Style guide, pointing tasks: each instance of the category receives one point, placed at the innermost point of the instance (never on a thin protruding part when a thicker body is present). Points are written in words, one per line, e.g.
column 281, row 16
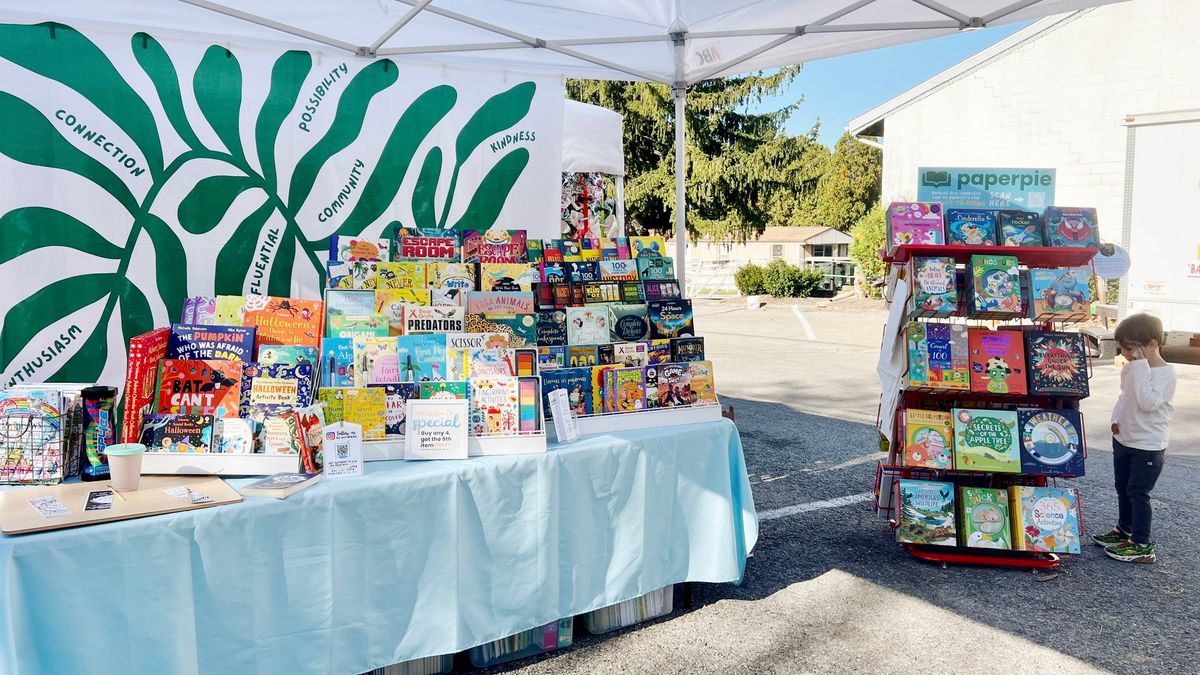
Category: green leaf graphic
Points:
column 281, row 269
column 493, row 191
column 425, row 191
column 204, row 207
column 32, row 227
column 170, row 263
column 218, row 87
column 154, row 60
column 59, row 299
column 236, row 259
column 287, row 76
column 87, row 363
column 136, row 316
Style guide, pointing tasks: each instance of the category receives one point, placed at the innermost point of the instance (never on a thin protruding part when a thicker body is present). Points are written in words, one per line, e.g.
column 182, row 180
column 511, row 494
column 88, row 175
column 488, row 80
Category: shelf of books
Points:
column 243, row 385
column 984, row 420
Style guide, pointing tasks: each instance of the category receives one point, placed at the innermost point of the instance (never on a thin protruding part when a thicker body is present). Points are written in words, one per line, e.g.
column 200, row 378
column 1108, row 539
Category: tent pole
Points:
column 680, row 92
column 620, row 227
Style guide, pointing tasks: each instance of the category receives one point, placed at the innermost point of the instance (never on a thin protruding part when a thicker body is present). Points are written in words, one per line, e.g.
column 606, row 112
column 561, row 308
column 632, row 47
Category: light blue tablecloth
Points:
column 413, row 559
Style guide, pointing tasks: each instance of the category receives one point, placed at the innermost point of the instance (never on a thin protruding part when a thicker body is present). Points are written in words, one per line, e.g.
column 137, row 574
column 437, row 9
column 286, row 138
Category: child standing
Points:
column 1139, row 429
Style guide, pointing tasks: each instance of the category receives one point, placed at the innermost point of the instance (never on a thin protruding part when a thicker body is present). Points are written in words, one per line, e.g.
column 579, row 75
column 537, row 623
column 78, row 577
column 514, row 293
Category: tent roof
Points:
column 603, row 39
column 592, row 139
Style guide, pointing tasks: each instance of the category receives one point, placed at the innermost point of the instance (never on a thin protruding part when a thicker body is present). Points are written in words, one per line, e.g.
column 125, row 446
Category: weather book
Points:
column 984, row 519
column 995, row 287
column 937, row 356
column 198, row 386
column 926, row 512
column 1052, row 442
column 1071, row 226
column 1060, row 294
column 986, row 440
column 971, row 227
column 1057, row 363
column 928, row 439
column 997, row 361
column 1044, row 519
column 915, row 223
column 670, row 318
column 222, row 343
column 935, row 287
column 1019, row 228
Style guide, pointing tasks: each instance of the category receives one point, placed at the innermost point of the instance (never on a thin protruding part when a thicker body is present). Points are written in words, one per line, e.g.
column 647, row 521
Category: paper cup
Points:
column 125, row 465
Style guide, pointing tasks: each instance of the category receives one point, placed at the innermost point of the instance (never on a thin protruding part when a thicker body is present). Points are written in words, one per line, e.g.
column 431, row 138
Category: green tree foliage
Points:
column 869, row 237
column 850, row 185
column 785, row 280
column 749, row 279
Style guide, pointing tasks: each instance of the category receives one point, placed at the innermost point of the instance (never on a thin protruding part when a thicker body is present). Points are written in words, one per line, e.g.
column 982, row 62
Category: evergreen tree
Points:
column 851, row 184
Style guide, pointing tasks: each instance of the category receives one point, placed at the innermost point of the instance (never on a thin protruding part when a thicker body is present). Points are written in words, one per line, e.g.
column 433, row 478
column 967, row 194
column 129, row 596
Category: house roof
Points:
column 775, row 235
column 871, row 123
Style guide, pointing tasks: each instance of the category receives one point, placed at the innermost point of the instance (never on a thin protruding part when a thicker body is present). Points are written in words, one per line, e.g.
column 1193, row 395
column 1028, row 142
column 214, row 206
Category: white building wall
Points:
column 1057, row 101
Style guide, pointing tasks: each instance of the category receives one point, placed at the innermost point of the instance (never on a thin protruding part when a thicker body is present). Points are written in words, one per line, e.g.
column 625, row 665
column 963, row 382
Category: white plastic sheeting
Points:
column 592, row 140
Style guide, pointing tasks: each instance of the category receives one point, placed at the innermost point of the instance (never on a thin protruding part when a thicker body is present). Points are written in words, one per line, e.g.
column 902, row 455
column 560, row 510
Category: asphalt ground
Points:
column 828, row 590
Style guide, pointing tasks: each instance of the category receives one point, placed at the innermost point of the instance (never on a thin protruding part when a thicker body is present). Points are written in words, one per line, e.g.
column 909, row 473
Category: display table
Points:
column 413, row 559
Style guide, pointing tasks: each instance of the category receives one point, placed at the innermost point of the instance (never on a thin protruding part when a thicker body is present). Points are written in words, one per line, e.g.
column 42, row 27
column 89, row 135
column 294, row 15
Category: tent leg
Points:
column 680, row 197
column 619, row 228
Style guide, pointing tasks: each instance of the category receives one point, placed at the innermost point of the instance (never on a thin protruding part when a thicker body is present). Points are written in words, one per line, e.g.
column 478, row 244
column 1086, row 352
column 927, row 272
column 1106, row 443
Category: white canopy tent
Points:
column 593, row 143
column 674, row 42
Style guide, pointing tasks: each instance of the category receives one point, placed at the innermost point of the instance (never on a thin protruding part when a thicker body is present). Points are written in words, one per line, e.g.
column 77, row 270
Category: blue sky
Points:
column 839, row 89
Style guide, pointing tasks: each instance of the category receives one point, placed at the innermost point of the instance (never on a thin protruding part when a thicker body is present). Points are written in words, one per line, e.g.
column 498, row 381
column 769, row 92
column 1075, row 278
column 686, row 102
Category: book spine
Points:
column 1015, row 518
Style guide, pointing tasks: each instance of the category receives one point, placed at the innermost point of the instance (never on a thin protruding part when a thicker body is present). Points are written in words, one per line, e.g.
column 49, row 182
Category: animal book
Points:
column 1070, row 226
column 618, row 270
column 703, row 389
column 915, row 223
column 995, row 287
column 285, row 321
column 971, row 227
column 406, row 274
column 178, row 433
column 587, row 325
column 1052, row 442
column 1044, row 519
column 395, row 399
column 628, row 323
column 486, row 362
column 670, row 318
column 937, row 356
column 984, row 518
column 1057, row 363
column 443, row 390
column 506, row 277
column 221, row 343
column 661, row 290
column 494, row 405
column 926, row 512
column 500, row 303
column 368, row 407
column 347, row 275
column 494, row 246
column 451, row 275
column 433, row 320
column 626, row 390
column 997, row 361
column 268, row 389
column 648, row 246
column 521, row 329
column 551, row 327
column 656, row 268
column 1060, row 294
column 1019, row 228
column 928, row 439
column 425, row 244
column 141, row 380
column 935, row 287
column 350, row 249
column 421, row 357
column 986, row 440
column 200, row 387
column 685, row 349
column 578, row 384
column 287, row 354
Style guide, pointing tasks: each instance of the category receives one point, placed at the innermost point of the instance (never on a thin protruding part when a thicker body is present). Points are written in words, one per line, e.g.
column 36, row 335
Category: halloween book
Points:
column 199, row 387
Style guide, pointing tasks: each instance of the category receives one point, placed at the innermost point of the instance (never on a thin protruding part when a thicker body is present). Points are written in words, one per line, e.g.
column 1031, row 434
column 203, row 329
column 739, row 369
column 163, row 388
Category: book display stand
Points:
column 953, row 383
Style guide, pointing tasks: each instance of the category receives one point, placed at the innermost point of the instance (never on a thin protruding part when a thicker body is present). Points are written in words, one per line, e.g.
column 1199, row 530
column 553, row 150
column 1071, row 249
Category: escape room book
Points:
column 421, row 357
column 220, row 343
column 1019, row 228
column 1060, row 294
column 655, row 268
column 395, row 399
column 626, row 389
column 685, row 349
column 578, row 384
column 587, row 325
column 1052, row 442
column 506, row 277
column 703, row 388
column 493, row 405
column 425, row 244
column 551, row 327
column 494, row 246
column 995, row 287
column 997, row 361
column 351, row 275
column 268, row 389
column 350, row 249
column 651, row 246
column 984, row 518
column 178, row 433
column 1057, row 363
column 1071, row 226
column 935, row 287
column 405, row 274
column 926, row 512
column 670, row 318
column 618, row 270
column 971, row 227
column 451, row 275
column 628, row 323
column 285, row 321
column 937, row 356
column 928, row 439
column 199, row 387
column 915, row 223
column 1044, row 519
column 986, row 440
column 368, row 407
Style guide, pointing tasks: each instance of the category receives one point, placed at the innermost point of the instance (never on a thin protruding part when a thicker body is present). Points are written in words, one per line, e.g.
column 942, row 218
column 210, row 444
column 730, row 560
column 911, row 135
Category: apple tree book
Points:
column 984, row 521
column 926, row 512
column 986, row 440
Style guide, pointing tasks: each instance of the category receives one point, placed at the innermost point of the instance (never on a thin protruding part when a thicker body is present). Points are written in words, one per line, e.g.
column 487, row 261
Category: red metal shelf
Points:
column 1030, row 256
column 996, row 558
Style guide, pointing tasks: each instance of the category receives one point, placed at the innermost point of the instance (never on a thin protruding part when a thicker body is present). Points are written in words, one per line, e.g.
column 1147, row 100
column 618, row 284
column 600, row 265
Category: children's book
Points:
column 605, row 354
column 656, row 268
column 421, row 357
column 632, row 292
column 650, row 246
column 199, row 387
column 915, row 223
column 228, row 311
column 674, row 385
column 200, row 310
column 630, row 354
column 670, row 318
column 350, row 326
column 609, row 250
column 375, row 360
column 582, row 356
column 421, row 297
column 1020, row 228
column 495, row 246
column 997, row 361
column 551, row 327
column 451, row 275
column 996, row 287
column 178, row 433
column 601, row 292
column 937, row 356
column 433, row 320
column 703, row 389
column 552, row 272
column 494, row 405
column 459, row 347
column 928, row 439
column 368, row 407
column 141, row 380
column 1057, row 363
column 587, row 325
column 500, row 303
column 351, row 275
column 280, row 435
column 579, row 272
column 269, row 389
column 589, row 249
column 935, row 287
column 926, row 512
column 406, row 274
column 986, row 440
column 509, row 277
column 534, row 248
column 285, row 321
column 650, row 377
column 351, row 249
column 349, row 301
column 658, row 351
column 626, row 389
column 984, row 518
column 491, row 363
column 447, row 297
column 392, row 305
column 661, row 289
column 396, row 396
column 686, row 349
column 1071, row 226
column 310, row 421
column 287, row 354
column 561, row 295
column 552, row 250
column 618, row 270
column 1052, row 442
column 1044, row 519
column 280, row 485
column 628, row 323
column 1060, row 294
column 571, row 250
column 549, row 358
column 577, row 382
column 233, row 436
column 221, row 343
column 443, row 390
column 521, row 329
column 971, row 227
column 601, row 395
column 410, row 243
column 333, row 397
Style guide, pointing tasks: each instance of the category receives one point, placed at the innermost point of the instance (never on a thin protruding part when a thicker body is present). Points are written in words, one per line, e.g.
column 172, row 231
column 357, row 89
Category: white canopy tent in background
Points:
column 593, row 143
column 674, row 42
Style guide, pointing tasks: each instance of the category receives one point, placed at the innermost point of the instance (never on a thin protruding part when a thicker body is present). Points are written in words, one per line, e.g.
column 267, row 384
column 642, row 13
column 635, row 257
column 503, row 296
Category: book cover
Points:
column 141, row 380
column 447, row 297
column 199, row 387
column 686, row 349
column 433, row 320
column 443, row 390
column 268, row 389
column 285, row 321
column 1060, row 294
column 233, row 436
column 579, row 272
column 971, row 227
column 650, row 378
column 375, row 360
column 333, row 397
column 451, row 275
column 228, row 310
column 1057, row 363
column 587, row 325
column 648, row 246
column 595, row 292
column 509, row 277
column 549, row 358
column 219, row 343
column 421, row 357
column 1019, row 228
column 609, row 250
column 674, row 385
column 351, row 249
column 702, row 386
column 280, row 485
column 495, row 246
column 582, row 356
column 928, row 439
column 937, row 356
column 655, row 268
column 670, row 318
column 280, row 435
column 1052, row 442
column 368, row 407
column 589, row 249
column 551, row 327
column 534, row 248
column 1071, row 226
column 500, row 303
column 632, row 292
column 459, row 347
column 986, row 440
column 552, row 272
column 915, row 223
column 349, row 301
column 199, row 309
column 410, row 243
column 571, row 250
column 995, row 287
column 485, row 362
column 494, row 405
column 605, row 354
column 624, row 251
column 630, row 354
column 350, row 326
column 288, row 354
column 520, row 329
column 935, row 287
column 395, row 400
column 406, row 274
column 618, row 270
column 984, row 518
column 926, row 512
column 578, row 384
column 178, row 433
column 562, row 295
column 627, row 389
column 997, row 361
column 421, row 297
column 658, row 351
column 351, row 275
column 552, row 250
column 1044, row 519
column 310, row 423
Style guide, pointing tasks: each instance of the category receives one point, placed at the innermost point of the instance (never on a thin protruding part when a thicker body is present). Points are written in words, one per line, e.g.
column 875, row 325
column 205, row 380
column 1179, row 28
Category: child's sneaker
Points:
column 1110, row 538
column 1131, row 552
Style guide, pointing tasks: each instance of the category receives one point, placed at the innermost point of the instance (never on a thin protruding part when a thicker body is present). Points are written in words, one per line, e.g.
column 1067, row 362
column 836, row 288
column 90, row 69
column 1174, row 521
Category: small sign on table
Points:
column 436, row 429
column 343, row 450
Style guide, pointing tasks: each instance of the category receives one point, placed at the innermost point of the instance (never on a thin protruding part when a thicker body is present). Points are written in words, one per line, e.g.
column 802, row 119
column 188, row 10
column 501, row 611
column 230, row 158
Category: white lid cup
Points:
column 125, row 465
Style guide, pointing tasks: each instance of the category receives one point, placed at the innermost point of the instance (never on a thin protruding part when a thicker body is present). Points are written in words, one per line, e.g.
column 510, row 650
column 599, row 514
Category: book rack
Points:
column 1030, row 256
